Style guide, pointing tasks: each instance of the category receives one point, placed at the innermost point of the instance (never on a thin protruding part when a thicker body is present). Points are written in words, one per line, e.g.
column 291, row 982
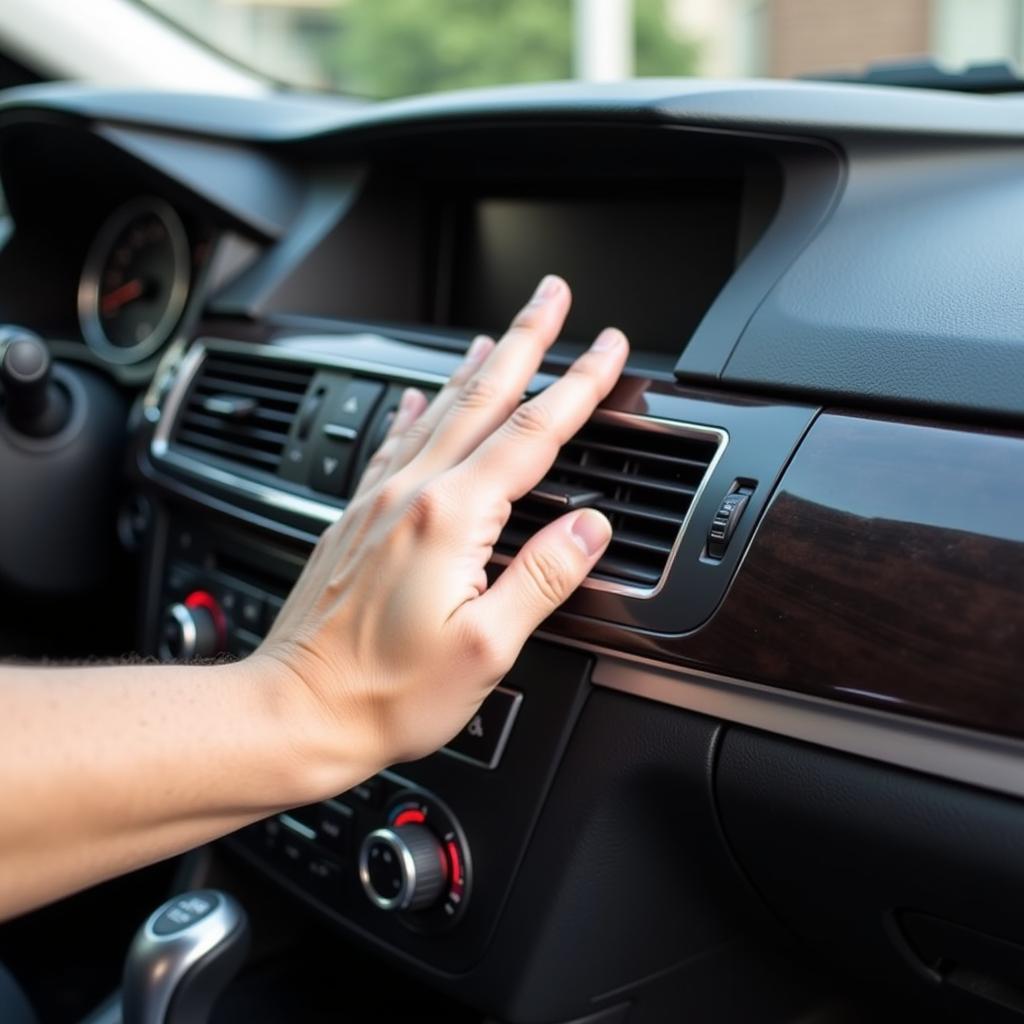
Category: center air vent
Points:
column 644, row 481
column 242, row 409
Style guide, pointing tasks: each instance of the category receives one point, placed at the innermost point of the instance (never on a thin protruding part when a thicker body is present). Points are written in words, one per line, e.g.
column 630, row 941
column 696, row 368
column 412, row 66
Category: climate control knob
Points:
column 403, row 867
column 191, row 629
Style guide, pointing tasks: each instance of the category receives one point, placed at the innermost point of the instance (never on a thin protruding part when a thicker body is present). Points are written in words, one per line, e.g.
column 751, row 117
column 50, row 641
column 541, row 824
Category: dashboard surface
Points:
column 812, row 464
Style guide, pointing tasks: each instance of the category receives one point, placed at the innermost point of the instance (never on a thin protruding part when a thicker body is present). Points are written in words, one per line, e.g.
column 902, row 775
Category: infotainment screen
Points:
column 650, row 264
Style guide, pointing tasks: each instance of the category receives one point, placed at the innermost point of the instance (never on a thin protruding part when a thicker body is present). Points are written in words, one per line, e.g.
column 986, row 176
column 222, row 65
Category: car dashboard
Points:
column 786, row 698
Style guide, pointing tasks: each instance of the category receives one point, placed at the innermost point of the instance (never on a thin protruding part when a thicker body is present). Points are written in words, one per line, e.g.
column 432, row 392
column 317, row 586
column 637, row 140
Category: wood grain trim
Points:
column 888, row 571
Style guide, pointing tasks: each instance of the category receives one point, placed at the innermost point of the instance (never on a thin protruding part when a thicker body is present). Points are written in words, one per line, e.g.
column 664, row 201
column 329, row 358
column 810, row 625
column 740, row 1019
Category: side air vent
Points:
column 644, row 481
column 242, row 409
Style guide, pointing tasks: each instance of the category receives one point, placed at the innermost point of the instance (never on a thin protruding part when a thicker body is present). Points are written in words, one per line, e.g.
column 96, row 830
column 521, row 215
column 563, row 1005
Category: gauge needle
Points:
column 128, row 292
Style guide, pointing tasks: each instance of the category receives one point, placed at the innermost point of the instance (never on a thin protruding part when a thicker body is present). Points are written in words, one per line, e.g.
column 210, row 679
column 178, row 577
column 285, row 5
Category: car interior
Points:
column 766, row 764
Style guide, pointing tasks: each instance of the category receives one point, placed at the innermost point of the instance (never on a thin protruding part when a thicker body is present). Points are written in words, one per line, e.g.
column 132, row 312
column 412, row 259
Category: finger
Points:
column 487, row 398
column 516, row 457
column 410, row 408
column 413, row 442
column 548, row 568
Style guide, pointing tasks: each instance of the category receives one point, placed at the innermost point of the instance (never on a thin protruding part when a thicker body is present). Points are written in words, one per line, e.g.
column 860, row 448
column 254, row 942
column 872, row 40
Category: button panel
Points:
column 318, row 846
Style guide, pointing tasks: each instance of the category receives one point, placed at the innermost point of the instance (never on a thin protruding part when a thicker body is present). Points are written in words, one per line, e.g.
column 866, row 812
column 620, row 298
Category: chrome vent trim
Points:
column 646, row 482
column 163, row 451
column 241, row 409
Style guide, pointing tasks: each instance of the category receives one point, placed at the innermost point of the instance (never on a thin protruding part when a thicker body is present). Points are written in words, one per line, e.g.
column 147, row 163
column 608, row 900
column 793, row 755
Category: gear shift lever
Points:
column 182, row 958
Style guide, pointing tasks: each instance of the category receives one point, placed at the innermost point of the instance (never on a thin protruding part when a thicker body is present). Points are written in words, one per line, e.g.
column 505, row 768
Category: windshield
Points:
column 388, row 48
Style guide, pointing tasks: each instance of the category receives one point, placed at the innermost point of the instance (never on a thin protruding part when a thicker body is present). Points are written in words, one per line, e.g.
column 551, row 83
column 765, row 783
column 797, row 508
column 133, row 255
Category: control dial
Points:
column 403, row 867
column 193, row 628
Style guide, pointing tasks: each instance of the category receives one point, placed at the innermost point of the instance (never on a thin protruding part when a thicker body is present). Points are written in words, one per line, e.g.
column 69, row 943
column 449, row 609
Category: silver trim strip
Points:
column 282, row 500
column 949, row 752
column 160, row 450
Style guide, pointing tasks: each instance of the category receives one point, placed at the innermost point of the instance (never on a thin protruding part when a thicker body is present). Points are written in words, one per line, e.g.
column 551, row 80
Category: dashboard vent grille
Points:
column 642, row 479
column 242, row 409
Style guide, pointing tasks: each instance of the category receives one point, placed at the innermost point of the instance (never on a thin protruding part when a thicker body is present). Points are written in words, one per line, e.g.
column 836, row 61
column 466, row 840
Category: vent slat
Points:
column 654, row 515
column 276, row 376
column 653, row 457
column 240, row 431
column 256, row 437
column 221, row 385
column 619, row 570
column 229, row 448
column 589, row 473
column 270, row 416
column 645, row 482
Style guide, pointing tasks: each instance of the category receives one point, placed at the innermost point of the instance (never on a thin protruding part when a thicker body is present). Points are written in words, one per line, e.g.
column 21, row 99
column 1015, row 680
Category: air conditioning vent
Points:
column 644, row 481
column 241, row 409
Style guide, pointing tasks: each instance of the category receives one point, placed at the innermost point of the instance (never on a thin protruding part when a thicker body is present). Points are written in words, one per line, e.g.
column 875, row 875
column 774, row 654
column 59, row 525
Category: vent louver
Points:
column 643, row 480
column 241, row 409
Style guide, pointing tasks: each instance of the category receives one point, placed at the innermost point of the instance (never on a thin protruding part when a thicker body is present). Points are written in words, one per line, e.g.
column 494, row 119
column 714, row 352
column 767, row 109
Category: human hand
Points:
column 392, row 630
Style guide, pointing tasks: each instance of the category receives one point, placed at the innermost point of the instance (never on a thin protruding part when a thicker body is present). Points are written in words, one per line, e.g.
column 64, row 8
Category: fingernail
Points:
column 591, row 531
column 609, row 338
column 479, row 349
column 406, row 407
column 548, row 288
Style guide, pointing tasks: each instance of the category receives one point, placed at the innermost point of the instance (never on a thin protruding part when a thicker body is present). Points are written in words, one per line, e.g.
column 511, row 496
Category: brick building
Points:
column 782, row 38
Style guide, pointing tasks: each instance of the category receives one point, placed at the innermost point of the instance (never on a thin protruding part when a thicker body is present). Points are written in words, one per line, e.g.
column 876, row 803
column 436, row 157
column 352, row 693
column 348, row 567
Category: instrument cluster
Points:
column 136, row 279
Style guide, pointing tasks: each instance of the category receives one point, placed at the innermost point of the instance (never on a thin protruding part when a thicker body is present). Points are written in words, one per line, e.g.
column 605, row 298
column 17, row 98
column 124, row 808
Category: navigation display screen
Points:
column 651, row 265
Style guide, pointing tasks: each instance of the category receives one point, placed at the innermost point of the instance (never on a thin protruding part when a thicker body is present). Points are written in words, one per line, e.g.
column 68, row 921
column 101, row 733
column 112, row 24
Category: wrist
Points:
column 318, row 751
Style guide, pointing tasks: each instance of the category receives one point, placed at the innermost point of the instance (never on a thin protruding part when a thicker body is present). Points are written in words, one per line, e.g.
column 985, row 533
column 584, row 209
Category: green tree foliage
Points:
column 398, row 47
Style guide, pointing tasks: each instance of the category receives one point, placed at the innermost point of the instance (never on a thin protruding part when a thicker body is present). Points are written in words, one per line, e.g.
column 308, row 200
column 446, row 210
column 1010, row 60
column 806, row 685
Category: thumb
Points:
column 548, row 568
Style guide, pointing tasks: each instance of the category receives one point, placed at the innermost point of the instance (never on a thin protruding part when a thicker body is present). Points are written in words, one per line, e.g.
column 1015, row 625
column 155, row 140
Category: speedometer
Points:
column 135, row 281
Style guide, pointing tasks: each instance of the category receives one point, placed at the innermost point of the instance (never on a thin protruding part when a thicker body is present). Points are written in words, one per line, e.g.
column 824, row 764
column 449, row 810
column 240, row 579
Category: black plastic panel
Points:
column 850, row 853
column 910, row 293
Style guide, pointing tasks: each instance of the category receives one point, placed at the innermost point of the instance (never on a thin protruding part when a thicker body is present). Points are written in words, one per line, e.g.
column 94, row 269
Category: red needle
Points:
column 128, row 292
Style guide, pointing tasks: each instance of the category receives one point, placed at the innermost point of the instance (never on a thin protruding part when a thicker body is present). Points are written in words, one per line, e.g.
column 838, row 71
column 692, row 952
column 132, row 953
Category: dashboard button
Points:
column 723, row 526
column 250, row 612
column 483, row 739
column 350, row 407
column 370, row 792
column 228, row 599
column 333, row 828
column 329, row 469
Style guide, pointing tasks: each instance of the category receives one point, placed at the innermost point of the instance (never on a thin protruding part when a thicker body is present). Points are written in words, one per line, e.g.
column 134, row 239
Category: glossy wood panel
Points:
column 888, row 570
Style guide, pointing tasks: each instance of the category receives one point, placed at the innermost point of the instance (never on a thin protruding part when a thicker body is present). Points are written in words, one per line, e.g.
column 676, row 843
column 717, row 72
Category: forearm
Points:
column 105, row 769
